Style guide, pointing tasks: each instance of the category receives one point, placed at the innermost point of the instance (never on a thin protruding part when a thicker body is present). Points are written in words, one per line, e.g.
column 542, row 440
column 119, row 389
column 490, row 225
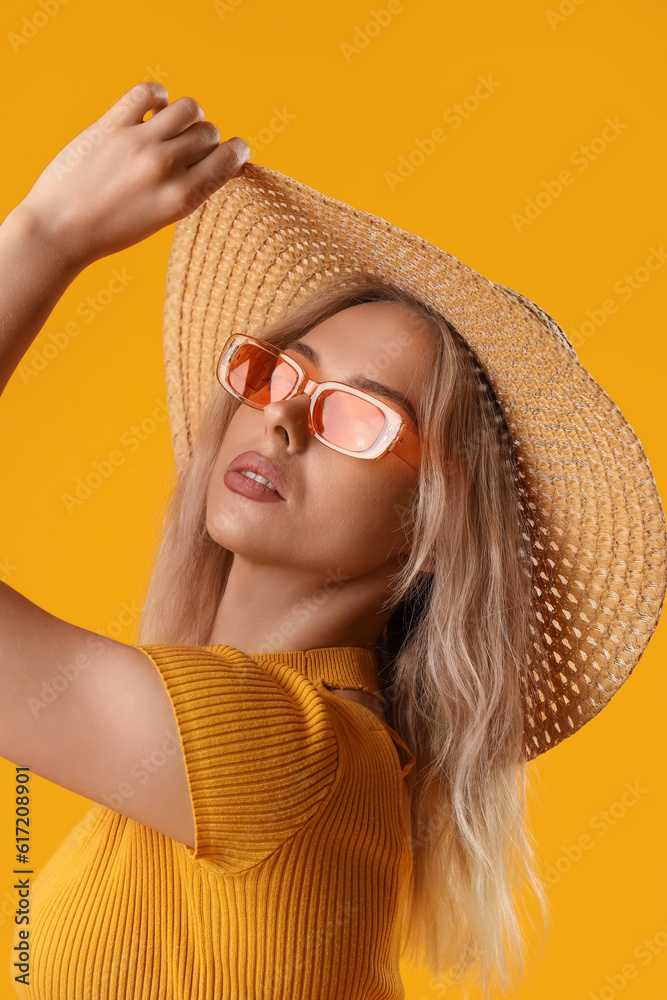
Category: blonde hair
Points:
column 452, row 659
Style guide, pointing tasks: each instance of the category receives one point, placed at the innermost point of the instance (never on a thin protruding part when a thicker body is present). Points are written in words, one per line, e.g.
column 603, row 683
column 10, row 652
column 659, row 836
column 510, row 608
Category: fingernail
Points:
column 245, row 149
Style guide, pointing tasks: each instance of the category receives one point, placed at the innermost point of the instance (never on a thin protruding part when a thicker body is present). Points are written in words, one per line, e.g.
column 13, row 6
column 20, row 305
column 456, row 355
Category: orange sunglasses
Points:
column 343, row 418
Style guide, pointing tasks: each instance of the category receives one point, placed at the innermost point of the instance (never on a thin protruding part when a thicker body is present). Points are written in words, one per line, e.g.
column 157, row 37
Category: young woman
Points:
column 379, row 592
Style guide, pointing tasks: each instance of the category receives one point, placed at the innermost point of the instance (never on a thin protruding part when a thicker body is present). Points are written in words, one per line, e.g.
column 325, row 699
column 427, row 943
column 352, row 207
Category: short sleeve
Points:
column 259, row 747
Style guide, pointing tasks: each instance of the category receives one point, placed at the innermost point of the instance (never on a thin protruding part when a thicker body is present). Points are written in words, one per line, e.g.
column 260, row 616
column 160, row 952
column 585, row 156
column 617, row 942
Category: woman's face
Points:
column 341, row 514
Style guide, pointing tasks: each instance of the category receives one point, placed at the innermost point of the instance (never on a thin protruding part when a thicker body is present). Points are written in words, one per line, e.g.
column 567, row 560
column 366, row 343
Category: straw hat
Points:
column 264, row 241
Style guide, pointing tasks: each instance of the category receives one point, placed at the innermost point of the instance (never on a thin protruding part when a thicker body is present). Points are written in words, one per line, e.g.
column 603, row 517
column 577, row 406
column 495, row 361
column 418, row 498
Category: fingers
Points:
column 174, row 119
column 192, row 144
column 137, row 102
column 184, row 118
column 214, row 170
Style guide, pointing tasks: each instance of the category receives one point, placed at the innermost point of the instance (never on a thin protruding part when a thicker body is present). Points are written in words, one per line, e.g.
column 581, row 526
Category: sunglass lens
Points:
column 260, row 376
column 348, row 421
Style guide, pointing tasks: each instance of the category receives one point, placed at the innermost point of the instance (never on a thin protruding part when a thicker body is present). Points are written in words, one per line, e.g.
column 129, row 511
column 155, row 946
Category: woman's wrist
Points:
column 27, row 225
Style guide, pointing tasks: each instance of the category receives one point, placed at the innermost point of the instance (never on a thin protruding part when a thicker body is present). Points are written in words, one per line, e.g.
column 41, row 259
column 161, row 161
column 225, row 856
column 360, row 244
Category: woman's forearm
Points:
column 34, row 273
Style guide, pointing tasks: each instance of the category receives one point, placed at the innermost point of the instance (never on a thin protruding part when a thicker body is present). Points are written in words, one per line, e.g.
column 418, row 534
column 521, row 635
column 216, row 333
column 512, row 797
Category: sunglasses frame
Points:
column 396, row 435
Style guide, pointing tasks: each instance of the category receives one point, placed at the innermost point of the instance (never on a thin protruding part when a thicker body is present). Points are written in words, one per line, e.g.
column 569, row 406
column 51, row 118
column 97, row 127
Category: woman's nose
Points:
column 289, row 419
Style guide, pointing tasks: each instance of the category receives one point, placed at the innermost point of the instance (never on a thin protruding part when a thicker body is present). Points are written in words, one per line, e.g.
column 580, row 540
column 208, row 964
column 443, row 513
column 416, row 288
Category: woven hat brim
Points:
column 264, row 241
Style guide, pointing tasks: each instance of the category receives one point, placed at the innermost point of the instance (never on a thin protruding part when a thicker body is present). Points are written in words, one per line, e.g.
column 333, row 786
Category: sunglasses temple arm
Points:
column 406, row 446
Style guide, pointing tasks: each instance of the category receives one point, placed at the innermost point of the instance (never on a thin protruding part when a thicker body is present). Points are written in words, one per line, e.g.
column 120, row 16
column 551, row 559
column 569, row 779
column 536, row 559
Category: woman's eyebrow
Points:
column 358, row 380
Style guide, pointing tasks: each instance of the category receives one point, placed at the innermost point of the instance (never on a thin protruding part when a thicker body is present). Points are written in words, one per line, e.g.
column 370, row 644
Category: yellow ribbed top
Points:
column 296, row 886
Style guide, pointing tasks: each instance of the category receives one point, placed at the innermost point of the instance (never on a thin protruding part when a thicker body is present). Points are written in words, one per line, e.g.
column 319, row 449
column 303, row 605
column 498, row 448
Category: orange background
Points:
column 360, row 87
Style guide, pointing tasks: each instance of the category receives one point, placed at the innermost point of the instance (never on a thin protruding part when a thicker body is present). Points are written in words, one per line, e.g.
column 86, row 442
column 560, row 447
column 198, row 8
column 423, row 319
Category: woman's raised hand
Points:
column 123, row 179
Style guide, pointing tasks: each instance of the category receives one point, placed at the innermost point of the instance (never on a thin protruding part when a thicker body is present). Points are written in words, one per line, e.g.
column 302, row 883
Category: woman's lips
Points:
column 251, row 488
column 252, row 461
